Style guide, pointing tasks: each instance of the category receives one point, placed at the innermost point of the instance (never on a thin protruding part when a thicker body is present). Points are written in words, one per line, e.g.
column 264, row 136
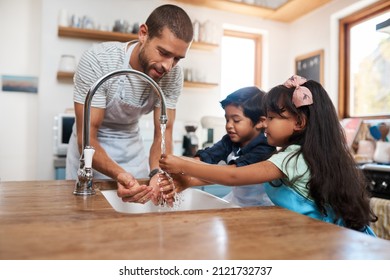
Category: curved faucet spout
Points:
column 84, row 184
column 98, row 83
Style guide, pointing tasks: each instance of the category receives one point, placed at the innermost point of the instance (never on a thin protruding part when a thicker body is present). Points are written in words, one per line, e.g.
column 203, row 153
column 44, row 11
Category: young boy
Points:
column 244, row 144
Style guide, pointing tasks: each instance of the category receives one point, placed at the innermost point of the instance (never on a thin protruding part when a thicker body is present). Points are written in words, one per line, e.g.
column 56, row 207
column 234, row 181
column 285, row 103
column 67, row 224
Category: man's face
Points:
column 160, row 54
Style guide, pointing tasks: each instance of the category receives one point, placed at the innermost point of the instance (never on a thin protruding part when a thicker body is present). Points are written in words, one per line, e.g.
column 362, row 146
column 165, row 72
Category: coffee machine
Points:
column 190, row 140
column 215, row 129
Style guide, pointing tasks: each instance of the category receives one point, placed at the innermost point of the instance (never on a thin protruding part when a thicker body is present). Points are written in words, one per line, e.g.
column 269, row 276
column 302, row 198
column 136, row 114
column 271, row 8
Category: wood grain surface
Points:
column 43, row 220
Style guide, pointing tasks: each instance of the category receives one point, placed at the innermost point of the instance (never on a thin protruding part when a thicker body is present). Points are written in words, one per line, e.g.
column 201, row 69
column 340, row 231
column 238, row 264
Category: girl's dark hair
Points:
column 250, row 99
column 172, row 17
column 335, row 179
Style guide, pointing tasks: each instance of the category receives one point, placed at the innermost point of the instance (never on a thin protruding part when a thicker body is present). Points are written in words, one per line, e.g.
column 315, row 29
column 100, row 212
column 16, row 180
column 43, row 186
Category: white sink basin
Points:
column 191, row 199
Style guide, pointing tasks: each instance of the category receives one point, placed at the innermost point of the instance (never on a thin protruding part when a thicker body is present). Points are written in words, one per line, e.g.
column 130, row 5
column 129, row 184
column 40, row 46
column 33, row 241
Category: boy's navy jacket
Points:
column 257, row 150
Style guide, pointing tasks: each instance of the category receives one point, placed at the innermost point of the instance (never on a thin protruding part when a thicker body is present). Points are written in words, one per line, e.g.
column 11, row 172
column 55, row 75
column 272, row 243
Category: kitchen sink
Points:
column 190, row 199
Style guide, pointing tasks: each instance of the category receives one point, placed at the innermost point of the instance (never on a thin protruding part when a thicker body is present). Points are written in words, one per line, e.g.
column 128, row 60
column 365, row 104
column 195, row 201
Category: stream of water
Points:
column 178, row 198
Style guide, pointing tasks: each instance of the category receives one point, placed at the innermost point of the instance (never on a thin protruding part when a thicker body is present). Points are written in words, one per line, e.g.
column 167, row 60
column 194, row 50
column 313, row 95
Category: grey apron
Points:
column 119, row 133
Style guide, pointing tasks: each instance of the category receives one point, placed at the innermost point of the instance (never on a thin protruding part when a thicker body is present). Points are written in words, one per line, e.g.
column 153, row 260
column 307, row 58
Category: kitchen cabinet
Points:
column 99, row 35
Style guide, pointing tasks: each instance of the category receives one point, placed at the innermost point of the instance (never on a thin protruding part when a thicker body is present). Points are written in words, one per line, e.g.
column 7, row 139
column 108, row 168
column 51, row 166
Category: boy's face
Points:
column 240, row 128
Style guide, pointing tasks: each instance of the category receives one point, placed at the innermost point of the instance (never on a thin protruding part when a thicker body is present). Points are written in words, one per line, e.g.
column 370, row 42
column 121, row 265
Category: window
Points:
column 364, row 85
column 241, row 61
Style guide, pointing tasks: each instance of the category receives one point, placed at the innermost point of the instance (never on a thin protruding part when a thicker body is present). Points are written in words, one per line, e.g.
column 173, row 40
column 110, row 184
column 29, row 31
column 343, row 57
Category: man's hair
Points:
column 172, row 17
column 249, row 99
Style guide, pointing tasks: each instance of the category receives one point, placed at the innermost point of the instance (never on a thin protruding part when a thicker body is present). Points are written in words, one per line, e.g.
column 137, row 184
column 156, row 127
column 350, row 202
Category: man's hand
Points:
column 131, row 191
column 154, row 184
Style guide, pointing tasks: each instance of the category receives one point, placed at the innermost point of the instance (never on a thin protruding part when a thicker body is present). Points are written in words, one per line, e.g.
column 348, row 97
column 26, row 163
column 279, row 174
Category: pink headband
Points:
column 302, row 95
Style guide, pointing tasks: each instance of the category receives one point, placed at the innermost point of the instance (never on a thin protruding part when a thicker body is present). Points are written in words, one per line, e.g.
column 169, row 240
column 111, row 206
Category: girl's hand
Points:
column 171, row 164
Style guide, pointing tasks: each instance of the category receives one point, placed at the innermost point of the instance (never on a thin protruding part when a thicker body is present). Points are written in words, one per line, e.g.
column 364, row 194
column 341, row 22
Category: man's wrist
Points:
column 154, row 172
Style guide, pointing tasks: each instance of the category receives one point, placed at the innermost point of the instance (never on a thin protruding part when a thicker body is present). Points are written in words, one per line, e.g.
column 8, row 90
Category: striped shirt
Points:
column 109, row 56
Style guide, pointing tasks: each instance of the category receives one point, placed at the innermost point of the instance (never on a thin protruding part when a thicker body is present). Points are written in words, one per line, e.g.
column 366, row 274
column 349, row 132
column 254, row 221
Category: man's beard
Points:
column 145, row 66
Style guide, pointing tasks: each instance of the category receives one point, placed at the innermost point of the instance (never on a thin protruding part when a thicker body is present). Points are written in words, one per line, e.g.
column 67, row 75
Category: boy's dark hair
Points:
column 172, row 17
column 250, row 99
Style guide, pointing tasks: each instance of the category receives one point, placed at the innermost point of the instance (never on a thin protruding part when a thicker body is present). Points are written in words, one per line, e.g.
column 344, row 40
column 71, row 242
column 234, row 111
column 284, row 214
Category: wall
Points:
column 319, row 30
column 19, row 55
column 35, row 49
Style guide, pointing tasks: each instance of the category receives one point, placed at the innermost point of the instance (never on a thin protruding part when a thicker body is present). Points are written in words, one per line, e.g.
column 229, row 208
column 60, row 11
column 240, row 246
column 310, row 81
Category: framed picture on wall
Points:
column 311, row 66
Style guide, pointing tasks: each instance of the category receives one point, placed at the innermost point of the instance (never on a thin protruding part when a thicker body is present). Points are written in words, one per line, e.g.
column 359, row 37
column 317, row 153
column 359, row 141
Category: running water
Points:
column 163, row 127
column 178, row 198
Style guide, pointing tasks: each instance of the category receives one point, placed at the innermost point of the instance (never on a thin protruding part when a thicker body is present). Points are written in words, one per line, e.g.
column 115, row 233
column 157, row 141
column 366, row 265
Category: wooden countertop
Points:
column 44, row 220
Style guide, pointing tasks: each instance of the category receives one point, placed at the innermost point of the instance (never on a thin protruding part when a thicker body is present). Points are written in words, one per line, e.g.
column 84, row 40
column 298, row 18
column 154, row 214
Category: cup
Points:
column 75, row 21
column 121, row 25
column 67, row 63
column 382, row 152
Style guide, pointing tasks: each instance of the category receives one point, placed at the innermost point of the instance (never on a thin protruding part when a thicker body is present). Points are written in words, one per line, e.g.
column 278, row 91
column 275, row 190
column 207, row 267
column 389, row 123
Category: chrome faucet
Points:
column 84, row 184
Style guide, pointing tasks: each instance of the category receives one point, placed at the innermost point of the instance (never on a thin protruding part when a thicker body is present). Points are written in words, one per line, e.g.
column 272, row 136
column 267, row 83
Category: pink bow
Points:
column 302, row 95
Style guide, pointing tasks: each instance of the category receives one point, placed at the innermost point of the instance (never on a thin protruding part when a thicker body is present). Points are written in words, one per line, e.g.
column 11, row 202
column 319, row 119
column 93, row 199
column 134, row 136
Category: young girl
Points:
column 313, row 173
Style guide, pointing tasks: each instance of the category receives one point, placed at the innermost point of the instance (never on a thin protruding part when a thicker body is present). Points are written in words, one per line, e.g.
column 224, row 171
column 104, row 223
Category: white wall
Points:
column 19, row 55
column 319, row 30
column 33, row 48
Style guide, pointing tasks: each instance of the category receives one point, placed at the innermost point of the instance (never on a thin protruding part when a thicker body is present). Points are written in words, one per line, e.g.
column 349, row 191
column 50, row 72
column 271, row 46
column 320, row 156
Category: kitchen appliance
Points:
column 190, row 140
column 215, row 129
column 62, row 129
column 378, row 179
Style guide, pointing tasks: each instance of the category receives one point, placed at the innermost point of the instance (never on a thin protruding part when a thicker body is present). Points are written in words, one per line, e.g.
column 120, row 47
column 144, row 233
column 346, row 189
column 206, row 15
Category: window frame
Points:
column 257, row 38
column 345, row 25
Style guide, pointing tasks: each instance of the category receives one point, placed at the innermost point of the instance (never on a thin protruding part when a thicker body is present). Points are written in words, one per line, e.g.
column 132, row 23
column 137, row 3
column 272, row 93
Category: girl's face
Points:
column 279, row 128
column 240, row 128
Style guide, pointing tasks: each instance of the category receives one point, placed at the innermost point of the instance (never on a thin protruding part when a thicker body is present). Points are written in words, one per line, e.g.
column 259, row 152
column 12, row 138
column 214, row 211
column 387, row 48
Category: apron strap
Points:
column 125, row 65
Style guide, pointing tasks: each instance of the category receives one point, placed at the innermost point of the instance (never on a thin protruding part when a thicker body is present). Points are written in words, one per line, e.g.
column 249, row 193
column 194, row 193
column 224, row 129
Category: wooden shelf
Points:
column 100, row 35
column 92, row 34
column 203, row 46
column 199, row 84
column 68, row 76
column 64, row 75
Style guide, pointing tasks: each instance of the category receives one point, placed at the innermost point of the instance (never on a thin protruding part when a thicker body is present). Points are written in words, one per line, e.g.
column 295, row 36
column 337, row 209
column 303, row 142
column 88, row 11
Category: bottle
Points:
column 196, row 27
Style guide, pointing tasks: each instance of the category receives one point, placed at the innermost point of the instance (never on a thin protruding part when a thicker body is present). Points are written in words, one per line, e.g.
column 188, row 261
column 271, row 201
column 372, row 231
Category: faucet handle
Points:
column 88, row 155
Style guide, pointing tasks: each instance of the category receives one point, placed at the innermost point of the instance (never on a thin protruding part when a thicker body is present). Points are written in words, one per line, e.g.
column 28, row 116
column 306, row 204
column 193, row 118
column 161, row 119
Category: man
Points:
column 121, row 101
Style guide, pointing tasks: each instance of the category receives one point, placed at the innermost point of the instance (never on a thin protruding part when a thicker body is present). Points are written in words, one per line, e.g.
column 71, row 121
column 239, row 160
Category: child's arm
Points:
column 260, row 172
